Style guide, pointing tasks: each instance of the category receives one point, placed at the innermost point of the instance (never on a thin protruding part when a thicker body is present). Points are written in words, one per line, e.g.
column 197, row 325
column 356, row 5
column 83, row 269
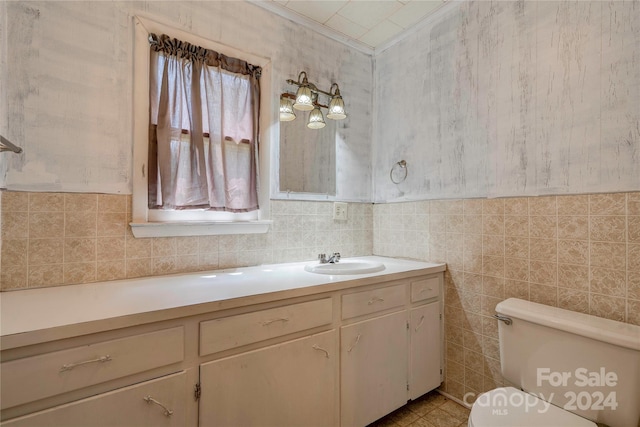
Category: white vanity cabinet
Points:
column 395, row 353
column 335, row 352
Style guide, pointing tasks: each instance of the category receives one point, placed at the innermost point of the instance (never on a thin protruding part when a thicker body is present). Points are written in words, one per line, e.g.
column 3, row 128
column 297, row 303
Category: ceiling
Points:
column 368, row 24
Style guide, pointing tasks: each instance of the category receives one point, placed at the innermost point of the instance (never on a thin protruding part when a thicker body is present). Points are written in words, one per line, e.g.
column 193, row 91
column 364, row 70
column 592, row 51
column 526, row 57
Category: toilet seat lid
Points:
column 509, row 407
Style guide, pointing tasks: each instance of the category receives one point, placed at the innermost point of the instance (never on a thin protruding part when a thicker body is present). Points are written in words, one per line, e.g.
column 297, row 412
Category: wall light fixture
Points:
column 306, row 99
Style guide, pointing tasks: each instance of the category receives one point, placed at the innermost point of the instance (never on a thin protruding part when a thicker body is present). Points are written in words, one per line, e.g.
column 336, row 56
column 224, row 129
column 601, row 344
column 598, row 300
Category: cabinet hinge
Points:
column 407, row 386
column 407, row 326
column 197, row 391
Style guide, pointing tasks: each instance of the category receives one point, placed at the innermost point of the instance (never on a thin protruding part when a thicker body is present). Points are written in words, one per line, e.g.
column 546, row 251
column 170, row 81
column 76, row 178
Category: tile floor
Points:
column 430, row 410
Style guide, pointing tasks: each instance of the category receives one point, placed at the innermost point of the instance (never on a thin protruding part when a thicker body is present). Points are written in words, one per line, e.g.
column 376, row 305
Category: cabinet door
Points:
column 373, row 368
column 425, row 349
column 121, row 408
column 288, row 384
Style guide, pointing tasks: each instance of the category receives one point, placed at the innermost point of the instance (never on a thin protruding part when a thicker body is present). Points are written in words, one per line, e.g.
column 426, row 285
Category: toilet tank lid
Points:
column 598, row 328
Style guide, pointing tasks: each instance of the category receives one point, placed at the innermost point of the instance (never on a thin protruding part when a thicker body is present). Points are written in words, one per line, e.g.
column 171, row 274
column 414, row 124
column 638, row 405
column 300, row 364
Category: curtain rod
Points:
column 6, row 145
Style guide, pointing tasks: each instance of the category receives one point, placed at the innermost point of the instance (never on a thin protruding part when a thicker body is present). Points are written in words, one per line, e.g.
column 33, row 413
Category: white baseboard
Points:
column 455, row 399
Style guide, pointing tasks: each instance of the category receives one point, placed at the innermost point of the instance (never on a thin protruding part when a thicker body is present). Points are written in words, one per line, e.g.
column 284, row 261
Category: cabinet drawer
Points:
column 425, row 289
column 235, row 331
column 367, row 302
column 32, row 378
column 123, row 407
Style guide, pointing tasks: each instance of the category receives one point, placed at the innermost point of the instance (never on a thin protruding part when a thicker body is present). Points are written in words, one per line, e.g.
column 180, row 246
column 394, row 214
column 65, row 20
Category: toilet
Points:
column 564, row 369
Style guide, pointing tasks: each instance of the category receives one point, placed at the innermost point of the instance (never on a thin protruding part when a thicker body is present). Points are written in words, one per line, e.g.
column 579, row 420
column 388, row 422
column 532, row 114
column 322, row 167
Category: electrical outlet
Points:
column 340, row 211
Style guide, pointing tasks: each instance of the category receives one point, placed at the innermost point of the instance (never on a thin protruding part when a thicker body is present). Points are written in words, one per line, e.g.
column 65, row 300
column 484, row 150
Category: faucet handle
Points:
column 322, row 258
column 336, row 256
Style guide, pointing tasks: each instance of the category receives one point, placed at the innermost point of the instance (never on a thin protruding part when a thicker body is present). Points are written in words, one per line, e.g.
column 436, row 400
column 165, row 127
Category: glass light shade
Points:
column 316, row 121
column 336, row 108
column 286, row 110
column 304, row 100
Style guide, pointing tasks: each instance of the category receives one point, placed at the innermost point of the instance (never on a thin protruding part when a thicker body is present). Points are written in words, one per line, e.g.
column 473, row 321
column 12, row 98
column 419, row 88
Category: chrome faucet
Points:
column 332, row 259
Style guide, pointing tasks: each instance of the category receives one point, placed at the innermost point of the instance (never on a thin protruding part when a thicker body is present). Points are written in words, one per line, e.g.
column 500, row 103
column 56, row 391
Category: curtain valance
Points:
column 191, row 52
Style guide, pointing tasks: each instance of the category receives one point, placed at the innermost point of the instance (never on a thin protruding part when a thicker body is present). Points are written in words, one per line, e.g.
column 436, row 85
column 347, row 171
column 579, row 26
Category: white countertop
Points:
column 38, row 315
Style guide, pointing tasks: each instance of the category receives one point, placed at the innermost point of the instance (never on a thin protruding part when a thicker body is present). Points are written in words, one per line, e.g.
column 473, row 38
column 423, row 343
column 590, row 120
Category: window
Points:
column 200, row 147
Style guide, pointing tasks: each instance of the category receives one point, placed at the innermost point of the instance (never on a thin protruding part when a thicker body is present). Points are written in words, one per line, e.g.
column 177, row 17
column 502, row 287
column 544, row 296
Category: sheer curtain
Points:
column 203, row 135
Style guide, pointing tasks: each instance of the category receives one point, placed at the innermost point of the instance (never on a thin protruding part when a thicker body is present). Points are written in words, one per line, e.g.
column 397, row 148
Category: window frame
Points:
column 146, row 222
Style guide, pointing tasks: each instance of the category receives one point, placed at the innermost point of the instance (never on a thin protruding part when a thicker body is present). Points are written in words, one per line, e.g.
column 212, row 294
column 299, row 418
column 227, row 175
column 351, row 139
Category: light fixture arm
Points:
column 313, row 87
column 321, row 91
column 293, row 97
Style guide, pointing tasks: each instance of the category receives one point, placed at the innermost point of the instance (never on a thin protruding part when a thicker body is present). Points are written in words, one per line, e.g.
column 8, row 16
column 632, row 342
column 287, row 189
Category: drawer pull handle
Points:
column 425, row 290
column 354, row 344
column 317, row 347
column 419, row 323
column 280, row 319
column 375, row 299
column 70, row 366
column 167, row 412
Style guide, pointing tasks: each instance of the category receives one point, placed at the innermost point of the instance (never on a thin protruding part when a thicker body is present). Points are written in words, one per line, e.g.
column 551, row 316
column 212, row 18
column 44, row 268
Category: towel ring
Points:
column 398, row 177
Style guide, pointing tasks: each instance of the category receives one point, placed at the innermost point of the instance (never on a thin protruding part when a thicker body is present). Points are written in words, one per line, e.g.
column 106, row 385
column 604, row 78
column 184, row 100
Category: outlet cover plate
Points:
column 340, row 211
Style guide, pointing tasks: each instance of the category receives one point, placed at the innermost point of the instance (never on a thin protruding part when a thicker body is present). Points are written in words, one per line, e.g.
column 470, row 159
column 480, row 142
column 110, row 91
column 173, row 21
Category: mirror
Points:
column 307, row 157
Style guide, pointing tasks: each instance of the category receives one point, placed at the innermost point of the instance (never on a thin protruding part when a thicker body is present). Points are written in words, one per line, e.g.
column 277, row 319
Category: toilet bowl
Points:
column 510, row 407
column 568, row 369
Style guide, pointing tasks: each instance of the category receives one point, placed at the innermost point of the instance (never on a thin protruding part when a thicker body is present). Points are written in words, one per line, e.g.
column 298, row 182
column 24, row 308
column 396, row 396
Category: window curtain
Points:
column 203, row 135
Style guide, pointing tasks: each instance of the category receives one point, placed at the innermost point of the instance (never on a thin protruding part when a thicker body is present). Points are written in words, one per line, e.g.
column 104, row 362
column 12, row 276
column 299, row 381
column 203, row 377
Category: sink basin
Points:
column 346, row 267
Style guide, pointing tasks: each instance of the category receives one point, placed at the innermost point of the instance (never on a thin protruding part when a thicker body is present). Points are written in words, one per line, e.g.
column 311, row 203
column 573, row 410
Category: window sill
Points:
column 198, row 228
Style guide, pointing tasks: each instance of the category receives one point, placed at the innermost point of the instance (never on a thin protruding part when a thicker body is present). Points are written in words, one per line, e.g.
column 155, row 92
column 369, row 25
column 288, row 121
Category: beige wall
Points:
column 51, row 239
column 576, row 252
column 581, row 253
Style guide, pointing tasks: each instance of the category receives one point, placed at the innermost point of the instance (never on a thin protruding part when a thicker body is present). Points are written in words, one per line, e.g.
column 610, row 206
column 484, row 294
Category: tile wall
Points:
column 576, row 252
column 51, row 239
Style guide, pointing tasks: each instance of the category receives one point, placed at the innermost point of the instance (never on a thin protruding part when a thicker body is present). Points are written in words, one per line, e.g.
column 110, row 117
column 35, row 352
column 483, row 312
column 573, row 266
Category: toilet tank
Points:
column 585, row 364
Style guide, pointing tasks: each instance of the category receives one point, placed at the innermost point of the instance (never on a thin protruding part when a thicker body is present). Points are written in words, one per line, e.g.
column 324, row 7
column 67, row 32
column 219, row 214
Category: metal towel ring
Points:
column 403, row 166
